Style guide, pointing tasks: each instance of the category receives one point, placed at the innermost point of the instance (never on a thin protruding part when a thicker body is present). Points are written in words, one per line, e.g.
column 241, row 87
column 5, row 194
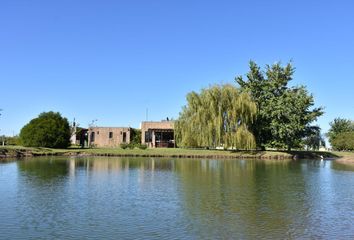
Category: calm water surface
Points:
column 147, row 198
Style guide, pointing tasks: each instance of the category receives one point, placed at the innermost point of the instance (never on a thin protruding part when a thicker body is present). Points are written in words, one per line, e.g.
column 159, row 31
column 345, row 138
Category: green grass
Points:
column 165, row 152
column 345, row 157
column 344, row 154
column 181, row 152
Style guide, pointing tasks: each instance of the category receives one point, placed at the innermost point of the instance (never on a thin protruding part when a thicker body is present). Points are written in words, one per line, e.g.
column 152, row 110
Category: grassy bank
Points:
column 345, row 157
column 17, row 152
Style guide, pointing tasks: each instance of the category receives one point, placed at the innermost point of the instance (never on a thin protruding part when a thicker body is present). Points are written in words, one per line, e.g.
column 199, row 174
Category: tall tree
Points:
column 217, row 116
column 284, row 113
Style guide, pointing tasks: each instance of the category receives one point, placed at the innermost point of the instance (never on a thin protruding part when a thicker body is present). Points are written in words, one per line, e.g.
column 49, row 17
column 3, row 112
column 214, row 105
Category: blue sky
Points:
column 112, row 60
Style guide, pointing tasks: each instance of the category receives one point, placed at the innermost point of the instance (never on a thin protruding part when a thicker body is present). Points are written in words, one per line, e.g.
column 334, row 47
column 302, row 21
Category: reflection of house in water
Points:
column 108, row 136
column 158, row 134
column 116, row 164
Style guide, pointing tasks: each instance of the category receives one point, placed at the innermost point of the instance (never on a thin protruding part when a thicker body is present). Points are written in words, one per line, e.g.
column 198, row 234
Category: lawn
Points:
column 18, row 151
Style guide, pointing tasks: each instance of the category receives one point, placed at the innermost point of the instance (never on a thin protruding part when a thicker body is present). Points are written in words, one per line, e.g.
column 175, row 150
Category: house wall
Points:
column 145, row 126
column 102, row 139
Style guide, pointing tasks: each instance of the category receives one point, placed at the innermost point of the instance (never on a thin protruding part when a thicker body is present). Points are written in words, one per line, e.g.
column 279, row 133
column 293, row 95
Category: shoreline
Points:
column 23, row 152
column 346, row 160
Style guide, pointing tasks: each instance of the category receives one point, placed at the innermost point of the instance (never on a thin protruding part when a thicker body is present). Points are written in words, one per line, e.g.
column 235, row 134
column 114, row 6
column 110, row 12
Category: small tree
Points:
column 135, row 136
column 344, row 141
column 341, row 134
column 314, row 140
column 49, row 129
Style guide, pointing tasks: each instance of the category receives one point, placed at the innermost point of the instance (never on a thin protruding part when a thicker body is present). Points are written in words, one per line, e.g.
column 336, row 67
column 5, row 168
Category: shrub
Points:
column 135, row 135
column 343, row 141
column 123, row 145
column 49, row 129
column 142, row 146
column 131, row 145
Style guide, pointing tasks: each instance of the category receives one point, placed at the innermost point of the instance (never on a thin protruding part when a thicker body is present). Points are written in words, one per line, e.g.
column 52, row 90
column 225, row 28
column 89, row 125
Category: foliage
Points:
column 142, row 146
column 337, row 126
column 123, row 145
column 132, row 146
column 314, row 140
column 344, row 141
column 135, row 136
column 284, row 113
column 217, row 116
column 49, row 129
column 341, row 134
column 15, row 140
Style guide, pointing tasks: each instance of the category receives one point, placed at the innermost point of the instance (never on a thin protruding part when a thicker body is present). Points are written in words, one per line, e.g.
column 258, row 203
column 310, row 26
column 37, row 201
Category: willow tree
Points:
column 217, row 116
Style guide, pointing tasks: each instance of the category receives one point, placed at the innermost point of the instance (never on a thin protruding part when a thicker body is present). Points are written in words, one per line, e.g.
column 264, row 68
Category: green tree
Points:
column 217, row 116
column 344, row 141
column 339, row 125
column 284, row 113
column 341, row 133
column 135, row 136
column 49, row 129
column 314, row 140
column 12, row 140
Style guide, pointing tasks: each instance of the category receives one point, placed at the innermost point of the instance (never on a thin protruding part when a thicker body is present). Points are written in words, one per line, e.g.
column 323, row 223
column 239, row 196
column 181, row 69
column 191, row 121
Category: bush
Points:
column 142, row 146
column 15, row 140
column 49, row 129
column 123, row 145
column 344, row 141
column 135, row 135
column 131, row 145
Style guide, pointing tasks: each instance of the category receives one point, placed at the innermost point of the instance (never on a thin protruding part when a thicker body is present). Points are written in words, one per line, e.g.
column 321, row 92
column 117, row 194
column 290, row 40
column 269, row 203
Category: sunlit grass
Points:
column 171, row 152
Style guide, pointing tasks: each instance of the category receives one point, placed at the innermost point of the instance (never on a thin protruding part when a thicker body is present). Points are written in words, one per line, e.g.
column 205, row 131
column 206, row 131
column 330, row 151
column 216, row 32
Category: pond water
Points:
column 154, row 198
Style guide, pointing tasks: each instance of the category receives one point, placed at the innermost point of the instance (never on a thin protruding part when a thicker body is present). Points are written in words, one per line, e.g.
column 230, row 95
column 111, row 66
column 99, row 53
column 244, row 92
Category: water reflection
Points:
column 183, row 198
column 44, row 169
column 343, row 166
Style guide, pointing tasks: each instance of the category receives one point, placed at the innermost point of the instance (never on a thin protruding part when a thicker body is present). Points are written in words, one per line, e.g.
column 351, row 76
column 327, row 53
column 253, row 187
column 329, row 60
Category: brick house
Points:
column 158, row 134
column 108, row 136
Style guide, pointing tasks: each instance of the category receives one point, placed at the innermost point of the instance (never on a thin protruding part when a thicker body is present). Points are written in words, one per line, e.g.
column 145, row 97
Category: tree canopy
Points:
column 49, row 129
column 341, row 134
column 284, row 113
column 217, row 116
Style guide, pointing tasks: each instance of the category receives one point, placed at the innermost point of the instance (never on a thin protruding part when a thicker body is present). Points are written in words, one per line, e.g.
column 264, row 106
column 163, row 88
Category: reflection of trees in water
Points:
column 227, row 198
column 242, row 198
column 221, row 198
column 44, row 169
column 342, row 166
column 42, row 193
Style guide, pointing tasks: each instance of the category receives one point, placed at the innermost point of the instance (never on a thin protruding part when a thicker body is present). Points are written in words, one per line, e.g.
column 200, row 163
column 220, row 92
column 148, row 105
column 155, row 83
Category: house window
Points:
column 110, row 134
column 98, row 132
column 124, row 137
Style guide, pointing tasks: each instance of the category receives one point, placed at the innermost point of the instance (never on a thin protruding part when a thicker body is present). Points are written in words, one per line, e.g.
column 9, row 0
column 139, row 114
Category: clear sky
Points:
column 112, row 60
